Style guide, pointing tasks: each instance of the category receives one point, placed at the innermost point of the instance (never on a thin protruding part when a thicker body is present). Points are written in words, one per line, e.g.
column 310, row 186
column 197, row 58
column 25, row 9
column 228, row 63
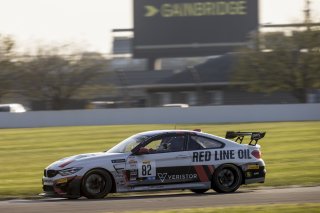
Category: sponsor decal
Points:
column 118, row 161
column 62, row 180
column 133, row 175
column 132, row 162
column 162, row 176
column 256, row 136
column 165, row 176
column 244, row 154
column 253, row 167
column 121, row 182
column 151, row 178
column 201, row 156
column 133, row 172
column 133, row 178
column 47, row 182
column 248, row 174
column 182, row 177
column 131, row 157
column 204, row 156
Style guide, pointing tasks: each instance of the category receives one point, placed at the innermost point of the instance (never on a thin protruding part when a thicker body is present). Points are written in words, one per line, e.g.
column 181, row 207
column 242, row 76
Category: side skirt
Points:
column 202, row 185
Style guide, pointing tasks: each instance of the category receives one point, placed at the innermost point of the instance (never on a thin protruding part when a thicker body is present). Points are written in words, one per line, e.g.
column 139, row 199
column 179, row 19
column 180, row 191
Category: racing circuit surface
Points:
column 165, row 201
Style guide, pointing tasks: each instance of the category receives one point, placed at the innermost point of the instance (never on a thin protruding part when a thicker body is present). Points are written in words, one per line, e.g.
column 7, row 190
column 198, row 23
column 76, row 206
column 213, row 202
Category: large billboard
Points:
column 176, row 28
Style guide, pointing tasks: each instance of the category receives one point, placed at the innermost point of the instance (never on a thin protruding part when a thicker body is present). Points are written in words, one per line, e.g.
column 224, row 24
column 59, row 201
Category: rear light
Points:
column 256, row 153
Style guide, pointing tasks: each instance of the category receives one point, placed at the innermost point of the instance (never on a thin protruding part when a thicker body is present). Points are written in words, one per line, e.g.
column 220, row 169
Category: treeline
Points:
column 276, row 62
column 272, row 62
column 49, row 77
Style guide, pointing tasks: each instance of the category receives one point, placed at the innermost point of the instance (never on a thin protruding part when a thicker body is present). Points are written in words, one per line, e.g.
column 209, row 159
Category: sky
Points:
column 88, row 23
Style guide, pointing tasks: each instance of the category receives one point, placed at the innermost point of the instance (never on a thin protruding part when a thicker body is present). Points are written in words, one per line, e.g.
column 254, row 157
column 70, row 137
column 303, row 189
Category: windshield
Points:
column 128, row 144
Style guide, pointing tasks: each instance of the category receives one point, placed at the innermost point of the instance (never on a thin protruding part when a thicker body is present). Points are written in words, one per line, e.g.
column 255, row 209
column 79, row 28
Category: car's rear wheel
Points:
column 199, row 191
column 227, row 178
column 96, row 184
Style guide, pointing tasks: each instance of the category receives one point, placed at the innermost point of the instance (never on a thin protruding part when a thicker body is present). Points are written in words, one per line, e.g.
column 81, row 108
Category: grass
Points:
column 271, row 208
column 290, row 150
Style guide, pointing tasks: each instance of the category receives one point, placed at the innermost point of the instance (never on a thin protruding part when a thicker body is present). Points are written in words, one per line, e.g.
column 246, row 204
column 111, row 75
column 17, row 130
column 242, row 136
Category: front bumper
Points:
column 69, row 187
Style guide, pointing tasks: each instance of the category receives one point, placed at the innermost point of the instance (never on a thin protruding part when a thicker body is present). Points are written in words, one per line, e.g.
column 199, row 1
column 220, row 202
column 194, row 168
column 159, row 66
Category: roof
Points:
column 159, row 132
column 177, row 131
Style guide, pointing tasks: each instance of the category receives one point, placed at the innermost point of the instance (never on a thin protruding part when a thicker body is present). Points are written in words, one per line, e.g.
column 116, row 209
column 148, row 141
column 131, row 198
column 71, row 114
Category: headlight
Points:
column 69, row 171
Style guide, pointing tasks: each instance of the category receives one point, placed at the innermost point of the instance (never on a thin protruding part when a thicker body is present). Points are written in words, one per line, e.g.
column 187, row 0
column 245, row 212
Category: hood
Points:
column 68, row 161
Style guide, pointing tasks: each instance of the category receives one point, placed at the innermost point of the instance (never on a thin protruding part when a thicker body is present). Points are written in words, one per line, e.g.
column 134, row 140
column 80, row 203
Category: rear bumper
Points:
column 63, row 189
column 254, row 173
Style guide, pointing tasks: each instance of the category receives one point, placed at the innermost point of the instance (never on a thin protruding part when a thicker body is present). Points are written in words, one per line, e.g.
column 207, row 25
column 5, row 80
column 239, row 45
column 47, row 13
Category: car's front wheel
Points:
column 227, row 178
column 96, row 184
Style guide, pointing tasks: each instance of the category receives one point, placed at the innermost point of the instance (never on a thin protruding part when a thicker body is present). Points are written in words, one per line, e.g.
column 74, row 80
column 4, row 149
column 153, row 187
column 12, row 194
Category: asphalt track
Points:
column 162, row 201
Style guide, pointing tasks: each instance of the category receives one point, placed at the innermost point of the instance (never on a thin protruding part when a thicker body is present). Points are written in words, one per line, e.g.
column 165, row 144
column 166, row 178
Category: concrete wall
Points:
column 206, row 114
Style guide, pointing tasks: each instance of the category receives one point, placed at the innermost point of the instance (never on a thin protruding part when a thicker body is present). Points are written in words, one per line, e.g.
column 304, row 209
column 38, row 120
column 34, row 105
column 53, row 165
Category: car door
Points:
column 163, row 161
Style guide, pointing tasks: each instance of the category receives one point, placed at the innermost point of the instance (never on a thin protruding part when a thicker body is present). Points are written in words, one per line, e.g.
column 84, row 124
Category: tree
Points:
column 7, row 68
column 286, row 63
column 56, row 79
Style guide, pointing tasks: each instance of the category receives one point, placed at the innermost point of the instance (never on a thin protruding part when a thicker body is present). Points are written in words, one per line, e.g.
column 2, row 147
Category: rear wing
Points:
column 255, row 136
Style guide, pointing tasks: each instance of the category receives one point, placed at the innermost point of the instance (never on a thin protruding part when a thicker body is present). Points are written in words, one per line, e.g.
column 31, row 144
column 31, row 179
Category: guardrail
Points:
column 163, row 115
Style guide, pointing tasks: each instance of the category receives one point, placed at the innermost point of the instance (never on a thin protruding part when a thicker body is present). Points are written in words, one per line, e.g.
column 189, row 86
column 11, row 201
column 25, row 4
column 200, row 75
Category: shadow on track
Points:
column 139, row 197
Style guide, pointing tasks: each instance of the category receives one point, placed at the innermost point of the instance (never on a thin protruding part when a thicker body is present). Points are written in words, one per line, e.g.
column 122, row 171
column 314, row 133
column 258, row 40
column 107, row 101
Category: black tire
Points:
column 199, row 191
column 227, row 178
column 96, row 184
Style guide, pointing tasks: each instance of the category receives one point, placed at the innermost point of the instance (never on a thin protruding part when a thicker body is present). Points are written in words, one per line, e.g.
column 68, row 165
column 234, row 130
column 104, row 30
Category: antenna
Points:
column 307, row 14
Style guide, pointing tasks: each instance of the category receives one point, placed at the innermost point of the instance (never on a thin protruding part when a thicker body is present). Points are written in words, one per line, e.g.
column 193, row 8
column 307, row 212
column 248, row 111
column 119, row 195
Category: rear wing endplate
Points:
column 255, row 136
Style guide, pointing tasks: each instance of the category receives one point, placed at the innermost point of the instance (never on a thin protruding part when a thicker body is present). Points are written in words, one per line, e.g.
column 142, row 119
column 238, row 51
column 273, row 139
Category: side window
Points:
column 153, row 145
column 197, row 142
column 4, row 109
column 167, row 144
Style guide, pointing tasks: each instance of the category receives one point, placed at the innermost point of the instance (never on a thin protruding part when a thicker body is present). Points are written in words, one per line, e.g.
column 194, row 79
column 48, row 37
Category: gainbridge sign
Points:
column 177, row 28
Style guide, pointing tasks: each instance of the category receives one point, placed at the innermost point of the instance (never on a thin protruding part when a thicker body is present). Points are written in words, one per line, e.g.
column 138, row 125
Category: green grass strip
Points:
column 272, row 208
column 290, row 150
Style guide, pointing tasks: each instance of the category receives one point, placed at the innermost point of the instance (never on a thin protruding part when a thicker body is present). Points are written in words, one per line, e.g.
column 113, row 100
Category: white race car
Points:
column 160, row 160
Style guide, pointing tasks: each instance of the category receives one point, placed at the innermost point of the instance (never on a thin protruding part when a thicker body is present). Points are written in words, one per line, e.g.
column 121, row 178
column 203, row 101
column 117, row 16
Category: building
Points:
column 208, row 83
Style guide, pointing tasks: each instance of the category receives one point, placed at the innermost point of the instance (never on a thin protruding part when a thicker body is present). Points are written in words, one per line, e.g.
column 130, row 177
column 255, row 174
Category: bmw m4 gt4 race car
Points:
column 160, row 160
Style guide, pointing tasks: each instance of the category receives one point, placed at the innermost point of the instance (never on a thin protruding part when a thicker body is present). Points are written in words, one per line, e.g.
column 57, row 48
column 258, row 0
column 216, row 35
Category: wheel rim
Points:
column 226, row 177
column 95, row 184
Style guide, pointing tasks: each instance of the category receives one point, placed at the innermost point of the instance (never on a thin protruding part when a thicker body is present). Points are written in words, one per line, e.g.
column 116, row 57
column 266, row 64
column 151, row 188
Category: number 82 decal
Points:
column 147, row 169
